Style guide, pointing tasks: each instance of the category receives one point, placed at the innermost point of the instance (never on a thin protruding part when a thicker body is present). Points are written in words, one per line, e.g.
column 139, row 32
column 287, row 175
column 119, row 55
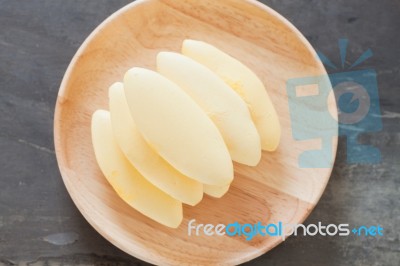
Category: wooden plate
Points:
column 276, row 190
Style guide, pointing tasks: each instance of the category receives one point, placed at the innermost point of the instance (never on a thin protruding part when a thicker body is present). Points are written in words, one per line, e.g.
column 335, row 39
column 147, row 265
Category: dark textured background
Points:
column 37, row 41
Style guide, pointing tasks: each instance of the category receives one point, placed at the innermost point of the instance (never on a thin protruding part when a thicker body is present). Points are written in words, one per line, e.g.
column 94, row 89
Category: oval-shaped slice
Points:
column 147, row 161
column 225, row 108
column 129, row 184
column 176, row 128
column 216, row 191
column 246, row 83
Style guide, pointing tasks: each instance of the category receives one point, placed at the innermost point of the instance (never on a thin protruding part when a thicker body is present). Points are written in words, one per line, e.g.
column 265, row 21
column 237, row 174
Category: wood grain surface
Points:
column 276, row 190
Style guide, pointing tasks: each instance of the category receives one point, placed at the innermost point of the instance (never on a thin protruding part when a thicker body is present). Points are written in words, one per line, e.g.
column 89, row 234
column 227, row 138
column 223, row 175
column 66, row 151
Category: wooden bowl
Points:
column 276, row 190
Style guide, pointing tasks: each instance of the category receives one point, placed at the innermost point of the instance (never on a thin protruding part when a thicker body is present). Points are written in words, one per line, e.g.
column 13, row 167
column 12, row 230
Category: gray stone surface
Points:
column 39, row 224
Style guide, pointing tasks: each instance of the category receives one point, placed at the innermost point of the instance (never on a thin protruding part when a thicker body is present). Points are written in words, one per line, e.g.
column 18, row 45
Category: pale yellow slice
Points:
column 245, row 83
column 130, row 185
column 225, row 108
column 154, row 168
column 216, row 191
column 175, row 126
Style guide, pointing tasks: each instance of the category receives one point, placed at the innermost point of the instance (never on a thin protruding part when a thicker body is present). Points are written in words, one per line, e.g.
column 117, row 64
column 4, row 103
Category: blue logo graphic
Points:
column 357, row 98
